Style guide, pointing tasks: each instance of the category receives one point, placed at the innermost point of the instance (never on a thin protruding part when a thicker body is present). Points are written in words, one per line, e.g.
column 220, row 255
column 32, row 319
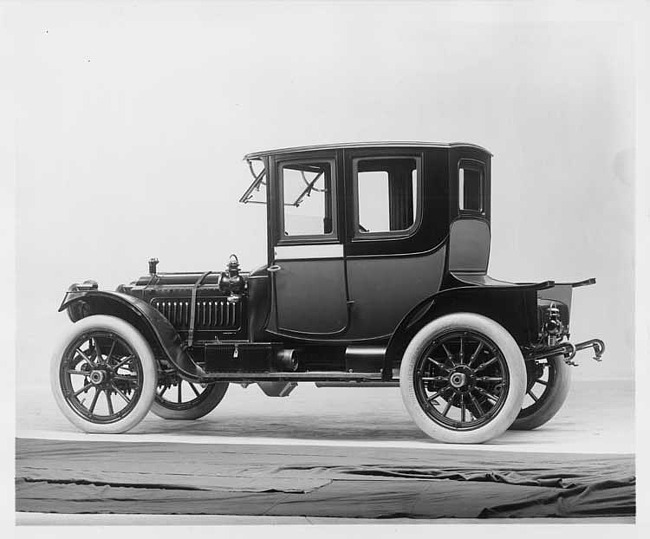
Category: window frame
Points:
column 479, row 166
column 359, row 235
column 333, row 236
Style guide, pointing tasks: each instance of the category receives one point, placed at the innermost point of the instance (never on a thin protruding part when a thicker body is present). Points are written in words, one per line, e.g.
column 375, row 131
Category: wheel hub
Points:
column 458, row 380
column 462, row 378
column 97, row 377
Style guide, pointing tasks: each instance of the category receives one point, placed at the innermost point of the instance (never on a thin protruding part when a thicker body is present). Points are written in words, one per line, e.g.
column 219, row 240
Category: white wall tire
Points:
column 188, row 400
column 546, row 392
column 103, row 375
column 450, row 367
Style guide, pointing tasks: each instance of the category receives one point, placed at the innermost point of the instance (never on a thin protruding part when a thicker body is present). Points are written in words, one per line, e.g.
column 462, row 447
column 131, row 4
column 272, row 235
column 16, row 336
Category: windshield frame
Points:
column 259, row 181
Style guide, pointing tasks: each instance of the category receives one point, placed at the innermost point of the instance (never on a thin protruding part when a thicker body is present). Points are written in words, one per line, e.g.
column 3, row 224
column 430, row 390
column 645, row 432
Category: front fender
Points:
column 158, row 331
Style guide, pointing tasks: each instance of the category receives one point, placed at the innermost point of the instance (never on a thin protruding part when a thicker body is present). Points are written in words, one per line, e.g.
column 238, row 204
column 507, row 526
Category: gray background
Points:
column 132, row 120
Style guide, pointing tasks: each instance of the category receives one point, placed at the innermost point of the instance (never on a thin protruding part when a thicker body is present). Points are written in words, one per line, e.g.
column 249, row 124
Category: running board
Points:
column 312, row 376
column 392, row 383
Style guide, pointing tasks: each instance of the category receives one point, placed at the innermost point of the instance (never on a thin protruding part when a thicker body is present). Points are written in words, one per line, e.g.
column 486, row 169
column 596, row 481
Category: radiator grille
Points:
column 210, row 314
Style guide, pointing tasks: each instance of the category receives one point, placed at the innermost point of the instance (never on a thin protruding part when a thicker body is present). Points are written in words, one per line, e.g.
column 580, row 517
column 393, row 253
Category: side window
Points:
column 307, row 192
column 471, row 180
column 387, row 194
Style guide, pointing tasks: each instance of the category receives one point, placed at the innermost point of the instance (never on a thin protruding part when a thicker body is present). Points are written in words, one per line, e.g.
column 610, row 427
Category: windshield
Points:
column 256, row 192
column 310, row 180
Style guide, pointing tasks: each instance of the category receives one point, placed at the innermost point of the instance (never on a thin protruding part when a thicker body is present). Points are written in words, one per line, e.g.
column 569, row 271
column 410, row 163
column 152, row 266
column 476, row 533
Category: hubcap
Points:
column 97, row 377
column 457, row 379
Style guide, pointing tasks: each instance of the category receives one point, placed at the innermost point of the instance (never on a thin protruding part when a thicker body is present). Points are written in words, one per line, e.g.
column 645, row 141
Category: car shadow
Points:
column 294, row 427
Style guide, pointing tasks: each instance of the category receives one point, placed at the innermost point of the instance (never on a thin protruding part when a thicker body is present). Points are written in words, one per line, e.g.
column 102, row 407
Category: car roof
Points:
column 352, row 145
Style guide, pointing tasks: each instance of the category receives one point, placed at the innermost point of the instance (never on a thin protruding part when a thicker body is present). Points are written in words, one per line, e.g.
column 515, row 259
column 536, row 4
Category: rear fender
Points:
column 161, row 335
column 512, row 306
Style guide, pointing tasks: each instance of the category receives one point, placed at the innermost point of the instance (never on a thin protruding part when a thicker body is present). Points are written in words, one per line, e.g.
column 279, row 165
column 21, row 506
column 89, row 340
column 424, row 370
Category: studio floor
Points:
column 326, row 456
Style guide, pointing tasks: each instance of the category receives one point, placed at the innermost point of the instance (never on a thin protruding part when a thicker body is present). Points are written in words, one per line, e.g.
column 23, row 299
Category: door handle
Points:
column 273, row 268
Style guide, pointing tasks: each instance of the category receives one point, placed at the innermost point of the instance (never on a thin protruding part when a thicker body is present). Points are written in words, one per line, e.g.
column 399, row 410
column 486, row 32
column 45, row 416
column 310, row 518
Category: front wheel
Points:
column 103, row 375
column 548, row 386
column 463, row 379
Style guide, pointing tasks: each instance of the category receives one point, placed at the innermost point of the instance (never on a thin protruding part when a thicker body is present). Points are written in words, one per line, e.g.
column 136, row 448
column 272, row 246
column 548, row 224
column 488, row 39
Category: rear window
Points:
column 471, row 179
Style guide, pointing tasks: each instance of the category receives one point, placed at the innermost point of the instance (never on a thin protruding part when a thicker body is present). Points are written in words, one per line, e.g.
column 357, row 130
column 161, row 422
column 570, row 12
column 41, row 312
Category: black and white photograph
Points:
column 325, row 267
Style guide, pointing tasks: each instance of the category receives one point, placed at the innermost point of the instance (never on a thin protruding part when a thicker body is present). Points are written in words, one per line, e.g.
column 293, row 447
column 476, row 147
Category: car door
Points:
column 307, row 265
column 395, row 253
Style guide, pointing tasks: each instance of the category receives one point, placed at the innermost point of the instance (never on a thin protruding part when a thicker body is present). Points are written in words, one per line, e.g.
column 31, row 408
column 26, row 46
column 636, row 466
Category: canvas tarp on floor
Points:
column 174, row 478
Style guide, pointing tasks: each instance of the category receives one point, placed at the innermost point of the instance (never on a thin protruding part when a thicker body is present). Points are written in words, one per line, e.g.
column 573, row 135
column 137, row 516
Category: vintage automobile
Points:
column 376, row 276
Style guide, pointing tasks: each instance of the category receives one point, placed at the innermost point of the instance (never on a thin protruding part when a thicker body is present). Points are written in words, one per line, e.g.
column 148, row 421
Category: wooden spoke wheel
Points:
column 463, row 379
column 103, row 375
column 547, row 388
column 181, row 399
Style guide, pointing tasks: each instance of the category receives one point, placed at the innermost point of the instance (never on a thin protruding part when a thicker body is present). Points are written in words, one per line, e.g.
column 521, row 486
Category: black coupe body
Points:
column 376, row 275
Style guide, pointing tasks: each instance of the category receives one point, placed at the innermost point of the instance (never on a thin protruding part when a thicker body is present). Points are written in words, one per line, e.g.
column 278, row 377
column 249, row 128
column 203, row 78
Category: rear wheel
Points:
column 548, row 386
column 103, row 375
column 463, row 379
column 180, row 399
